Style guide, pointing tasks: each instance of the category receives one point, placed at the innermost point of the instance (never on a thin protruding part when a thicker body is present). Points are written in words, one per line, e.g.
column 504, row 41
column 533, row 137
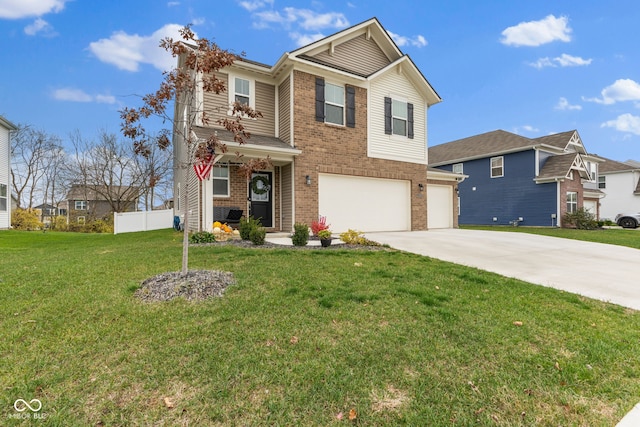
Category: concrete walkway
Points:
column 595, row 270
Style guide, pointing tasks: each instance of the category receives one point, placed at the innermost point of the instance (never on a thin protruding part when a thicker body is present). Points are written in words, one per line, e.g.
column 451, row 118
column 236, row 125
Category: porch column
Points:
column 207, row 205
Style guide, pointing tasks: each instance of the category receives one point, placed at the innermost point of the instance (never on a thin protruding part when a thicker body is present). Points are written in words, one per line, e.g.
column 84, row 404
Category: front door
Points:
column 260, row 197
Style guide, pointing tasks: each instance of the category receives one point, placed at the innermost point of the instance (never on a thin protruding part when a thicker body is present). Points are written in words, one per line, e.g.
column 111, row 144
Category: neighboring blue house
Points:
column 514, row 179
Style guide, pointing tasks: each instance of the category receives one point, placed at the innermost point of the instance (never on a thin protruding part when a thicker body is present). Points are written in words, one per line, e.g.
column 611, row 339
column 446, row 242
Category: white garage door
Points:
column 364, row 204
column 439, row 206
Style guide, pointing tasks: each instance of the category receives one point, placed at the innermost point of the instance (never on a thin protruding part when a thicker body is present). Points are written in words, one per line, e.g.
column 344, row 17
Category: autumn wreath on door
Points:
column 260, row 184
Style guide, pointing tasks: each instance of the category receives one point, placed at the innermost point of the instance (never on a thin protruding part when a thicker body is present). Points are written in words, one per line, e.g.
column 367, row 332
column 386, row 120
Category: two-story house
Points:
column 517, row 180
column 85, row 203
column 345, row 126
column 621, row 184
column 6, row 127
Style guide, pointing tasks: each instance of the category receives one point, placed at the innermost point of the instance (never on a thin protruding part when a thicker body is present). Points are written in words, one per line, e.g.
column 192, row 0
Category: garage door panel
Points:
column 364, row 204
column 439, row 206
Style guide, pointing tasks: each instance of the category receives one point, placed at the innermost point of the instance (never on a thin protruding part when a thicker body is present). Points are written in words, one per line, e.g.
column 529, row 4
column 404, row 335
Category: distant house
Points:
column 6, row 127
column 344, row 122
column 87, row 202
column 48, row 212
column 517, row 180
column 620, row 182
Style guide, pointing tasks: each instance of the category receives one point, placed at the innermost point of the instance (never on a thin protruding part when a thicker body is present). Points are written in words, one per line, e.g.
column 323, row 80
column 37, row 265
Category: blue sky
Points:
column 528, row 67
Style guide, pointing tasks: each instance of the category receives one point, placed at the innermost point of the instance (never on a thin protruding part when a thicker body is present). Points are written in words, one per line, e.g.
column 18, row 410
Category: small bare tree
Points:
column 32, row 155
column 198, row 61
column 107, row 168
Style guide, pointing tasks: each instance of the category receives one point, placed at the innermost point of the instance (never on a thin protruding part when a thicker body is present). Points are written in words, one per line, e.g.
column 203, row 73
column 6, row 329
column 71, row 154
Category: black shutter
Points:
column 387, row 115
column 319, row 99
column 410, row 120
column 351, row 107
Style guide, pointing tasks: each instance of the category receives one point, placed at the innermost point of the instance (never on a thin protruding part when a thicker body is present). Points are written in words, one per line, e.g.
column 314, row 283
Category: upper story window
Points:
column 242, row 91
column 398, row 117
column 457, row 168
column 3, row 198
column 335, row 104
column 497, row 167
column 81, row 205
column 220, row 181
column 602, row 181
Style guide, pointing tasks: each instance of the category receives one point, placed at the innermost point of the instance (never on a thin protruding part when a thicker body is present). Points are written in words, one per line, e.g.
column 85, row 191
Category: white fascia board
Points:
column 412, row 72
column 313, row 67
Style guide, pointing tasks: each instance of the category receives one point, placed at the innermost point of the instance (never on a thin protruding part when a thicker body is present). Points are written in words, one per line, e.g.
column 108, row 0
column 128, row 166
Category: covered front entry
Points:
column 261, row 197
column 439, row 206
column 364, row 204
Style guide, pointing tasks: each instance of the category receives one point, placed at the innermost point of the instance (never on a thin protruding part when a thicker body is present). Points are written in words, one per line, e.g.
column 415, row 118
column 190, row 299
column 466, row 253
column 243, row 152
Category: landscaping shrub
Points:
column 353, row 237
column 202, row 237
column 319, row 225
column 581, row 219
column 99, row 226
column 246, row 226
column 258, row 235
column 300, row 235
column 25, row 219
column 59, row 223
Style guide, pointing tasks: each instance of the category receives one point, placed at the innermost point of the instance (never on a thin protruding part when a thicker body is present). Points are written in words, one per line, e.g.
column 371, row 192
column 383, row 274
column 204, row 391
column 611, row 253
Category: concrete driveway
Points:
column 604, row 272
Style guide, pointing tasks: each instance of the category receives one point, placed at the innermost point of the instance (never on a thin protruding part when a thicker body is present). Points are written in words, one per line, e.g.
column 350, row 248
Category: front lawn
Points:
column 305, row 337
column 612, row 236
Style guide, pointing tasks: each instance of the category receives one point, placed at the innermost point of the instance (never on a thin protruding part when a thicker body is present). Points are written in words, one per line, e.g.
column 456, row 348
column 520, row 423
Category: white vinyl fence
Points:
column 127, row 222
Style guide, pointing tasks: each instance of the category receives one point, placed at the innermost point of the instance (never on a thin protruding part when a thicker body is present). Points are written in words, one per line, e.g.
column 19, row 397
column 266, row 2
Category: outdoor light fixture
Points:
column 421, row 187
column 307, row 179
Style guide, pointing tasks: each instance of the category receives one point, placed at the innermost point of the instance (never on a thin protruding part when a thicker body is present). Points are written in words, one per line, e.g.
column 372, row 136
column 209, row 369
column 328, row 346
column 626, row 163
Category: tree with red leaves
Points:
column 198, row 61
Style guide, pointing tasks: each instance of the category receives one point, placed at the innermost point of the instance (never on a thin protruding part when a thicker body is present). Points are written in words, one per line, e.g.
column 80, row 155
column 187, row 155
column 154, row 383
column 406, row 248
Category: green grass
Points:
column 612, row 236
column 303, row 336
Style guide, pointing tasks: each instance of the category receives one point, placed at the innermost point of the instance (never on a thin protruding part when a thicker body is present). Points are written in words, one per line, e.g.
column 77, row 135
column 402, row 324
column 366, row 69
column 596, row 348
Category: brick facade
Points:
column 341, row 150
column 573, row 185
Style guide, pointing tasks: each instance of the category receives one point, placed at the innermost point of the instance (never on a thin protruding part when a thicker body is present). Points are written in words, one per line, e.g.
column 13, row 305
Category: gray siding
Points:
column 358, row 55
column 284, row 107
column 217, row 106
column 265, row 103
column 286, row 191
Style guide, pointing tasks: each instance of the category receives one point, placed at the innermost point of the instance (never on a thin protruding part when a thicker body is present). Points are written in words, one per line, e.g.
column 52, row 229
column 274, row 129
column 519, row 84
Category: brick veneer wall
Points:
column 567, row 185
column 341, row 150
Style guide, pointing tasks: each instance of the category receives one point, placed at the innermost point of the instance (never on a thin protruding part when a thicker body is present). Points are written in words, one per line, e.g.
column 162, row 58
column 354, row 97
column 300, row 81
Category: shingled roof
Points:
column 558, row 167
column 486, row 144
column 496, row 143
column 609, row 166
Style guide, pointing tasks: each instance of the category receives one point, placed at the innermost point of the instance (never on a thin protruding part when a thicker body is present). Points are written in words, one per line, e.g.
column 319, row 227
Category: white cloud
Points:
column 536, row 33
column 563, row 60
column 621, row 90
column 624, row 123
column 128, row 51
column 571, row 61
column 16, row 9
column 39, row 26
column 305, row 39
column 304, row 25
column 255, row 4
column 417, row 41
column 173, row 3
column 78, row 95
column 563, row 104
column 526, row 128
